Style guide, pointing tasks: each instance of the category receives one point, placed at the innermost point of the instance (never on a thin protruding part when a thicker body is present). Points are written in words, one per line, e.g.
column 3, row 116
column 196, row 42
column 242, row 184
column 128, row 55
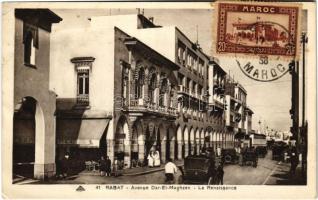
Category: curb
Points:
column 147, row 172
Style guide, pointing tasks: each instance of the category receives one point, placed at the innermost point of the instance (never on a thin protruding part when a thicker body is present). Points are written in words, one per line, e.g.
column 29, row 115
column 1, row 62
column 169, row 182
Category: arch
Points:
column 137, row 143
column 122, row 138
column 28, row 135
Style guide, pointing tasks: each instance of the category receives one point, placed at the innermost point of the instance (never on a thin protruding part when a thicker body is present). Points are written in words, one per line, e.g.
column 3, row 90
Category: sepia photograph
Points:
column 140, row 98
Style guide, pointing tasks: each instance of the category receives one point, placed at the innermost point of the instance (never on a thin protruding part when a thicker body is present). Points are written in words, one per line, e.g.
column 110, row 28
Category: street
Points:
column 267, row 172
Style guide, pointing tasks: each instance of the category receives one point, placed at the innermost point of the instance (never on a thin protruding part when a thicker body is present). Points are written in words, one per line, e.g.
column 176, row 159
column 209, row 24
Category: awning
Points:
column 84, row 133
column 239, row 135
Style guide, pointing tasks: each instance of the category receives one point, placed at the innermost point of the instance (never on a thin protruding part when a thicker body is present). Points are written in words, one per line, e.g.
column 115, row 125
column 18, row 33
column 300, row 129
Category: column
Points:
column 163, row 151
column 127, row 158
column 141, row 150
column 180, row 143
column 198, row 145
column 44, row 166
column 186, row 148
column 172, row 147
column 110, row 149
column 192, row 147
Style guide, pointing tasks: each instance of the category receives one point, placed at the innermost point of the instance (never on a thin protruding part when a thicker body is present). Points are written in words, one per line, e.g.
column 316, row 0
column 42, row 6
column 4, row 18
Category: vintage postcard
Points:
column 158, row 100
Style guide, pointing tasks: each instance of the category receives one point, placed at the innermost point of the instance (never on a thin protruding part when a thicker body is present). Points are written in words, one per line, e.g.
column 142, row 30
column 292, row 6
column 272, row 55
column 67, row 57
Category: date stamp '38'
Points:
column 258, row 29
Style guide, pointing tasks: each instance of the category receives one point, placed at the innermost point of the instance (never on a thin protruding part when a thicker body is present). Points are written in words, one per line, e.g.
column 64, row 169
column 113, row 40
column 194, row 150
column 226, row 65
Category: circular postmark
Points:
column 263, row 69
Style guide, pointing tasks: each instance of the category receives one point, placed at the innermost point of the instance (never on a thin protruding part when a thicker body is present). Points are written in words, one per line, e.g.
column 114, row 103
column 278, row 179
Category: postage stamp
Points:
column 258, row 29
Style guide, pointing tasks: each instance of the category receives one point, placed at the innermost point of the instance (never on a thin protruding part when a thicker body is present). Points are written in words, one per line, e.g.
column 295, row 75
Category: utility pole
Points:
column 304, row 41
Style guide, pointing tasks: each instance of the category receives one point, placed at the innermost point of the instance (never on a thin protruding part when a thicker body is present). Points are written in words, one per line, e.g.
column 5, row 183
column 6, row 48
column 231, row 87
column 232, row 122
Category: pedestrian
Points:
column 115, row 167
column 108, row 166
column 150, row 159
column 220, row 174
column 102, row 166
column 156, row 158
column 170, row 170
column 65, row 162
column 293, row 160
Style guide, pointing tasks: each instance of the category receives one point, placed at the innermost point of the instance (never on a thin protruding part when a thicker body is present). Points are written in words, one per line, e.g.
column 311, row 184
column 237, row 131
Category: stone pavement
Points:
column 137, row 170
column 126, row 172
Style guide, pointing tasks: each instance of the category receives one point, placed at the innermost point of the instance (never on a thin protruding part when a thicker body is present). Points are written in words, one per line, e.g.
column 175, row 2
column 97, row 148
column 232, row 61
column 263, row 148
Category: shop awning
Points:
column 85, row 133
column 239, row 135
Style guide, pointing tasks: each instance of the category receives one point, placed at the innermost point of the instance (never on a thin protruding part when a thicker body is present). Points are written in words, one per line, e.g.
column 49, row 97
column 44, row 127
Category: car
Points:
column 249, row 156
column 199, row 169
column 278, row 150
column 229, row 156
column 261, row 151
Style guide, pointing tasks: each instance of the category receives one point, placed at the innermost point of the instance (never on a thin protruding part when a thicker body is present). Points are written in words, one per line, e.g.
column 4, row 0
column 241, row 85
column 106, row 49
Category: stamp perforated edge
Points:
column 215, row 22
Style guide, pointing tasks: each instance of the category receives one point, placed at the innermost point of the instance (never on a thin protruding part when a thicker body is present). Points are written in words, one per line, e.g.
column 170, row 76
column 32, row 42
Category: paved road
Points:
column 234, row 175
column 248, row 175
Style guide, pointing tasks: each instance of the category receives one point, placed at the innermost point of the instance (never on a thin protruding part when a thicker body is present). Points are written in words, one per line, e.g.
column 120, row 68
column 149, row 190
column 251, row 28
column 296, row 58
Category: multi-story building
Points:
column 216, row 90
column 195, row 124
column 238, row 114
column 34, row 120
column 119, row 101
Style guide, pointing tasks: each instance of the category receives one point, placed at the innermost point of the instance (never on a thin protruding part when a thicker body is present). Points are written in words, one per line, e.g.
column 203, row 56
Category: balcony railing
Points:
column 182, row 88
column 140, row 105
column 83, row 99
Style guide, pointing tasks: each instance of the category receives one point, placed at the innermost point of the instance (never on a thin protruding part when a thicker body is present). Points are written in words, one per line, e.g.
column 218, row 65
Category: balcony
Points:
column 82, row 99
column 183, row 89
column 140, row 106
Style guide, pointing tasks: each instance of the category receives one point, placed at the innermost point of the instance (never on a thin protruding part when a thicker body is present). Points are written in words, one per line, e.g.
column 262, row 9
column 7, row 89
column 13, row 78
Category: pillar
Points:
column 44, row 165
column 180, row 144
column 198, row 145
column 141, row 150
column 127, row 150
column 163, row 151
column 192, row 147
column 172, row 148
column 186, row 148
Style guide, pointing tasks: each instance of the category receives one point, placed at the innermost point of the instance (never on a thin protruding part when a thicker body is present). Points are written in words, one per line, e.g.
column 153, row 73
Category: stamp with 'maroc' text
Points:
column 266, row 34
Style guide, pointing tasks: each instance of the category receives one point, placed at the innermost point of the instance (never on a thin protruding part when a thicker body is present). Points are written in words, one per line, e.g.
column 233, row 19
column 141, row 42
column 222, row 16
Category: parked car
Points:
column 278, row 150
column 261, row 151
column 199, row 169
column 249, row 156
column 229, row 156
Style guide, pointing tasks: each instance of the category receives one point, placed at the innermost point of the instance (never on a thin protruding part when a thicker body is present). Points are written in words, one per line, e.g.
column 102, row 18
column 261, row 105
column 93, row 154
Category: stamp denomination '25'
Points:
column 257, row 29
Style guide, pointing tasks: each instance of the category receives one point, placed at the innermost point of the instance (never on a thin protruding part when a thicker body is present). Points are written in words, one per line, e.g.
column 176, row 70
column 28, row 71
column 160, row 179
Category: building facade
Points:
column 34, row 120
column 127, row 91
column 137, row 93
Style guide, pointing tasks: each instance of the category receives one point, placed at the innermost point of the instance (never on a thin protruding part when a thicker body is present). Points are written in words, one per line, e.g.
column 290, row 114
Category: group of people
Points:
column 153, row 158
column 105, row 166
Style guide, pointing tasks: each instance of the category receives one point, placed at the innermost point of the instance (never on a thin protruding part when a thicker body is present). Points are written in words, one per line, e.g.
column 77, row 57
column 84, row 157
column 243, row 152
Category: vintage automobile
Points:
column 261, row 151
column 229, row 156
column 278, row 150
column 249, row 156
column 199, row 169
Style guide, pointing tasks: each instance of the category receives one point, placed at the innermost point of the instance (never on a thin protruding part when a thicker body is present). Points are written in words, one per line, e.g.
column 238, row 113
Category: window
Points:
column 163, row 90
column 83, row 83
column 30, row 41
column 152, row 87
column 83, row 66
column 139, row 83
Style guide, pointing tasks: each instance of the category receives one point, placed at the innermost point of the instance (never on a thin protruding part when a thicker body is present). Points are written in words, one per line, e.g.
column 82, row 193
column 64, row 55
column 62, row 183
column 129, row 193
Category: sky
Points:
column 270, row 101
